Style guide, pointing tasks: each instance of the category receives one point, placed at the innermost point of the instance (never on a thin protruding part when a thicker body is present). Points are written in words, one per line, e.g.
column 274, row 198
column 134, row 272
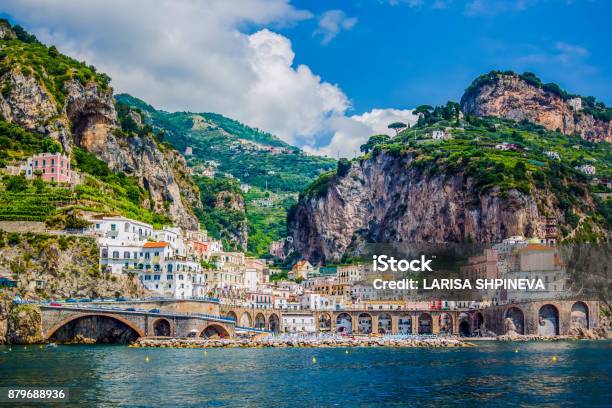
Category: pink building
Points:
column 52, row 167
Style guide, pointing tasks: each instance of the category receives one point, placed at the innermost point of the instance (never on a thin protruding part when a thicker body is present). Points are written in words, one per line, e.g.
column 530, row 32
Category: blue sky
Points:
column 402, row 56
column 324, row 75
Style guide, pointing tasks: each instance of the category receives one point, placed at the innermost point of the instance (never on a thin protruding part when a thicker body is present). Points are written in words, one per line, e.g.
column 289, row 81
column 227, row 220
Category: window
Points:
column 126, row 255
column 147, row 277
column 116, row 254
column 44, row 162
column 156, row 277
column 113, row 227
column 169, row 277
column 181, row 277
column 97, row 226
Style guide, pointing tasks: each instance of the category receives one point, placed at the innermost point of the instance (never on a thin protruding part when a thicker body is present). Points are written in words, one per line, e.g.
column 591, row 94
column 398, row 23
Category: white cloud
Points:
column 349, row 133
column 196, row 55
column 331, row 23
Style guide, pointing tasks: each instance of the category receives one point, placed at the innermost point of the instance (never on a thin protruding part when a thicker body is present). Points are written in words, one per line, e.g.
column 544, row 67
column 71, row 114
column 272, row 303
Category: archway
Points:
column 365, row 323
column 214, row 331
column 464, row 325
column 446, row 323
column 162, row 327
column 425, row 324
column 548, row 321
column 404, row 324
column 245, row 320
column 579, row 316
column 478, row 322
column 232, row 315
column 260, row 321
column 274, row 323
column 384, row 323
column 344, row 323
column 325, row 322
column 102, row 328
column 514, row 321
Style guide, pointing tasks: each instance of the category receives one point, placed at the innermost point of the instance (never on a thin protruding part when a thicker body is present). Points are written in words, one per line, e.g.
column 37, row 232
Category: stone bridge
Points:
column 388, row 321
column 264, row 319
column 64, row 322
column 545, row 318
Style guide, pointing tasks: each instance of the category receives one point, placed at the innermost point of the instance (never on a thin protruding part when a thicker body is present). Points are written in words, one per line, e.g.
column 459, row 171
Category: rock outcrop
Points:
column 509, row 96
column 86, row 118
column 383, row 200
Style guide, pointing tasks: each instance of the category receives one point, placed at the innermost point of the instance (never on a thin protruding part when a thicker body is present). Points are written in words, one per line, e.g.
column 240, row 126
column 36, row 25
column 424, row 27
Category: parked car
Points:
column 85, row 300
column 130, row 309
column 54, row 304
column 121, row 299
column 71, row 301
column 154, row 311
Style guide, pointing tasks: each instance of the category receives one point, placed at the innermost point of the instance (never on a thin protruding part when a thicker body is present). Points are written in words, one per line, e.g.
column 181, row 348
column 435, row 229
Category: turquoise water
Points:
column 493, row 374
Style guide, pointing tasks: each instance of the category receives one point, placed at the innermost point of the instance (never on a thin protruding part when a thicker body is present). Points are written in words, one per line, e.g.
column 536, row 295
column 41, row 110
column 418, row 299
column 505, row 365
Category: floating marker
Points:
column 147, row 359
column 10, row 349
column 314, row 360
column 345, row 351
column 205, row 352
column 40, row 347
column 516, row 350
column 554, row 359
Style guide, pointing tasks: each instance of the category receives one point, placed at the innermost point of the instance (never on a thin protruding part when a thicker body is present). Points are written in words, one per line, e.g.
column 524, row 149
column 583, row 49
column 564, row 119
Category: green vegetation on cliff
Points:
column 26, row 55
column 224, row 145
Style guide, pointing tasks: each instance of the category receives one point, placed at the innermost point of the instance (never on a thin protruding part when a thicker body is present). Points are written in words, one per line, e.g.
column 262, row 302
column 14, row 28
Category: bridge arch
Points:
column 325, row 322
column 514, row 320
column 404, row 324
column 425, row 324
column 344, row 323
column 162, row 327
column 364, row 321
column 464, row 324
column 75, row 318
column 548, row 320
column 245, row 320
column 384, row 323
column 232, row 315
column 579, row 316
column 214, row 331
column 446, row 323
column 274, row 323
column 260, row 321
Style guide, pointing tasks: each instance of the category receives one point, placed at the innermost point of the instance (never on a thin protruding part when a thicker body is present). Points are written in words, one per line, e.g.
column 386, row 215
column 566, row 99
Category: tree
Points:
column 397, row 126
column 373, row 141
column 344, row 165
column 17, row 183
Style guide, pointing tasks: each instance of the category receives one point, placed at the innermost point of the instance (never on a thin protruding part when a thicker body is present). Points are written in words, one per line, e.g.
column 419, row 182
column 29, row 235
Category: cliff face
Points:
column 509, row 96
column 381, row 200
column 86, row 117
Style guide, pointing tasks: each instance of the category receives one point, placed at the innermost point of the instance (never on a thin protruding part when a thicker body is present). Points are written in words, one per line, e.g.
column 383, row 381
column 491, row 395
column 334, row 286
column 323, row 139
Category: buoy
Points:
column 345, row 351
column 25, row 347
column 314, row 360
column 40, row 347
column 554, row 359
column 147, row 359
column 10, row 349
column 205, row 352
column 516, row 350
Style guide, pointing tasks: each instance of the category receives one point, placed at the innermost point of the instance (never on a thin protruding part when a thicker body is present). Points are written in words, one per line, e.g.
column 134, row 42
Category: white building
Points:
column 553, row 155
column 587, row 169
column 440, row 134
column 298, row 322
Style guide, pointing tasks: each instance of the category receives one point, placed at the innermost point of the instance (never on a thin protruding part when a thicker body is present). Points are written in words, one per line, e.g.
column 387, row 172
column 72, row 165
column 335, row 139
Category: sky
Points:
column 324, row 75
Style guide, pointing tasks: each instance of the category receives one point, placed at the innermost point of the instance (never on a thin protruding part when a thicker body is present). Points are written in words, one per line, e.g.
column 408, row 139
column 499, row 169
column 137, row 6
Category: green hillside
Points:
column 226, row 146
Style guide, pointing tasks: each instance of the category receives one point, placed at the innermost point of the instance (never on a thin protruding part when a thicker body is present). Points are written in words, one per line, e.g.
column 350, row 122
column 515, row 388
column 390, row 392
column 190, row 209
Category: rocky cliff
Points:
column 524, row 97
column 382, row 200
column 79, row 110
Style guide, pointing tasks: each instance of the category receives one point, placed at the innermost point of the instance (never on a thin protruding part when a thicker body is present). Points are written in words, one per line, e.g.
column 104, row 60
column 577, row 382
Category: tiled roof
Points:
column 155, row 244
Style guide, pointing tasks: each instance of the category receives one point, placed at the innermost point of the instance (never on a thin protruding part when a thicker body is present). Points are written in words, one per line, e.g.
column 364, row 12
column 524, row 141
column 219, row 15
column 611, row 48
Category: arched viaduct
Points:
column 137, row 323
